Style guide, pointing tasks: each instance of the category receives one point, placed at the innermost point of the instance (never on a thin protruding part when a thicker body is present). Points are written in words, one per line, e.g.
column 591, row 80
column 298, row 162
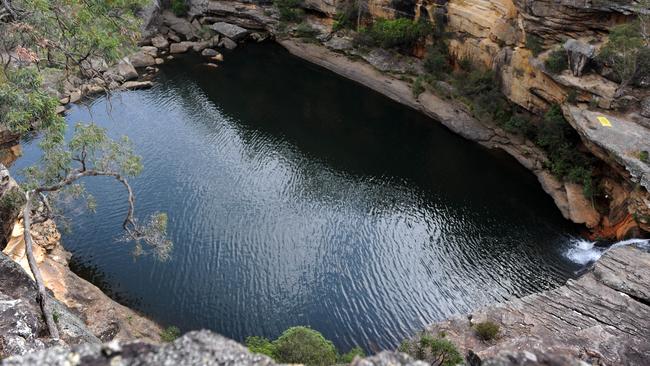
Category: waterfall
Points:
column 585, row 252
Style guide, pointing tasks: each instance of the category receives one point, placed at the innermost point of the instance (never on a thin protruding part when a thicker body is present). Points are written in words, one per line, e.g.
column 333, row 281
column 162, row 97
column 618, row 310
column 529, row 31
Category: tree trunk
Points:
column 29, row 250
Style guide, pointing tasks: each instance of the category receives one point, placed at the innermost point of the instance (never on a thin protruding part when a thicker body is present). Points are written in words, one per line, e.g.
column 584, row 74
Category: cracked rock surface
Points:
column 601, row 318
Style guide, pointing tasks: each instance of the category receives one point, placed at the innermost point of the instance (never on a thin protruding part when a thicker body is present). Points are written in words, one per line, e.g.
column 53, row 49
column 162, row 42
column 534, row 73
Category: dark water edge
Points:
column 298, row 197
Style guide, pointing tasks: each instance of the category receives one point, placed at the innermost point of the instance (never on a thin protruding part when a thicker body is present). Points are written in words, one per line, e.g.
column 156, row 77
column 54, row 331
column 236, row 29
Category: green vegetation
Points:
column 347, row 15
column 11, row 203
column 487, row 330
column 436, row 351
column 535, row 44
column 627, row 52
column 480, row 90
column 170, row 334
column 418, row 87
column 347, row 358
column 261, row 345
column 557, row 61
column 299, row 345
column 399, row 33
column 68, row 39
column 290, row 10
column 305, row 31
column 179, row 7
column 56, row 316
column 644, row 156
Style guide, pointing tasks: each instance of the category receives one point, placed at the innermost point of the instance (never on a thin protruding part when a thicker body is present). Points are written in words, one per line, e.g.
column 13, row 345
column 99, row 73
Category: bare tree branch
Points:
column 29, row 250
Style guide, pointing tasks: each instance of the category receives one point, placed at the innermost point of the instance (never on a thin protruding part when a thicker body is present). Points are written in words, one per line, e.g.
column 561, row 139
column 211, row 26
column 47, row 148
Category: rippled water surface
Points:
column 298, row 197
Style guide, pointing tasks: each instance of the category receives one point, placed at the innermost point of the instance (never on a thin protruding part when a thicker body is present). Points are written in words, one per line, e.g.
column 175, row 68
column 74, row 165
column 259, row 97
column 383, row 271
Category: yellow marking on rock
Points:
column 604, row 121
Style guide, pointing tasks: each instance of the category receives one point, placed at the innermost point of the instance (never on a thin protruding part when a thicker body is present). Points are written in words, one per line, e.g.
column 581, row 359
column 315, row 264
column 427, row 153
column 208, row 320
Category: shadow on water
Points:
column 298, row 197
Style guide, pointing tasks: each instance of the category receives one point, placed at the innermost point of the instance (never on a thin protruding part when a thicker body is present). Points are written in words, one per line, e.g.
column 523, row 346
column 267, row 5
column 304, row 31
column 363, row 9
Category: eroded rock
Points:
column 234, row 32
column 579, row 54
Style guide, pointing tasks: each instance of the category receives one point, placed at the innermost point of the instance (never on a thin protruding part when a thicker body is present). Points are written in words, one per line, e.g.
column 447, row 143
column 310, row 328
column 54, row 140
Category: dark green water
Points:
column 298, row 197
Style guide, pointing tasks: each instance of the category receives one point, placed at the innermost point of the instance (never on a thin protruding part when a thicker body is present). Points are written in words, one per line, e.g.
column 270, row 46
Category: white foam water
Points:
column 585, row 252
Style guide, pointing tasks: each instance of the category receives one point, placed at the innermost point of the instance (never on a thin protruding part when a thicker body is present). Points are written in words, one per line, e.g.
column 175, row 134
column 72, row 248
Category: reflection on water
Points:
column 297, row 197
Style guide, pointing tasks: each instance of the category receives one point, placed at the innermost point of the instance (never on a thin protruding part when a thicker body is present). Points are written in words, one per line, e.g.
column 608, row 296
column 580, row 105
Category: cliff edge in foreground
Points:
column 603, row 317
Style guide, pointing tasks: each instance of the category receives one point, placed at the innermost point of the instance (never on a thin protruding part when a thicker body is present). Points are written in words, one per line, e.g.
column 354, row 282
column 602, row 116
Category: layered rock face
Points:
column 514, row 38
column 103, row 317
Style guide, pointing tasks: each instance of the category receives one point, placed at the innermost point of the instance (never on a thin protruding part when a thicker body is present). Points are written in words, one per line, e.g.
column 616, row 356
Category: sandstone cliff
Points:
column 497, row 34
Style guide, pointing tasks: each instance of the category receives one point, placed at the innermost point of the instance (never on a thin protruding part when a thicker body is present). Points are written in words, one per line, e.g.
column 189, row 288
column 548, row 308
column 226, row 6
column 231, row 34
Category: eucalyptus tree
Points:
column 68, row 36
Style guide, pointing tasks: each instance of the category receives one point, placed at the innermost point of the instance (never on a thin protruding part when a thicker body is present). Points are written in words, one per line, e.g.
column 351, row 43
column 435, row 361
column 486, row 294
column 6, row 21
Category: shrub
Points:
column 436, row 351
column 626, row 52
column 169, row 334
column 289, row 10
column 465, row 63
column 12, row 203
column 304, row 345
column 486, row 330
column 436, row 61
column 518, row 124
column 348, row 357
column 644, row 156
column 261, row 345
column 535, row 44
column 418, row 87
column 179, row 7
column 346, row 15
column 304, row 30
column 572, row 96
column 396, row 33
column 557, row 61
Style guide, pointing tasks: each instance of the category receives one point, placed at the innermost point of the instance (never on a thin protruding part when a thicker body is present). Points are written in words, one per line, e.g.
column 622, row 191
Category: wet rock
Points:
column 579, row 54
column 160, row 42
column 209, row 52
column 259, row 37
column 135, row 85
column 231, row 31
column 228, row 43
column 181, row 47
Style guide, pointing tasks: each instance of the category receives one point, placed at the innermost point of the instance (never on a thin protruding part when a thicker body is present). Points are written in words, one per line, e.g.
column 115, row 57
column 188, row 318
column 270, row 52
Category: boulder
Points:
column 126, row 71
column 21, row 323
column 93, row 66
column 645, row 107
column 141, row 59
column 180, row 25
column 150, row 50
column 136, row 85
column 160, row 42
column 579, row 55
column 234, row 32
column 228, row 43
column 209, row 52
column 181, row 47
